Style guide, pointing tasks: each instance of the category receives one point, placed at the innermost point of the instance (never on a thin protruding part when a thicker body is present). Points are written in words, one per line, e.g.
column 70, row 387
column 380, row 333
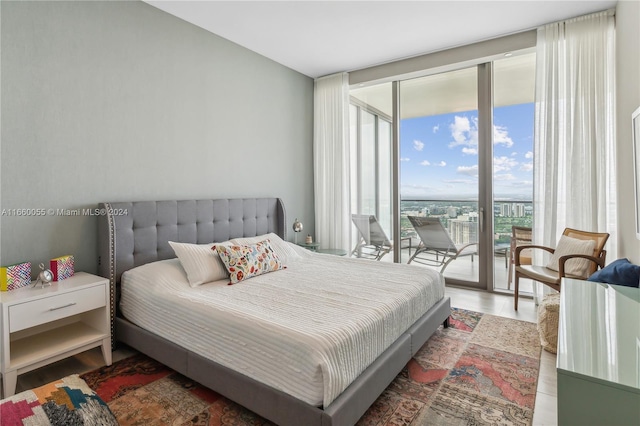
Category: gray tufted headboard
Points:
column 131, row 234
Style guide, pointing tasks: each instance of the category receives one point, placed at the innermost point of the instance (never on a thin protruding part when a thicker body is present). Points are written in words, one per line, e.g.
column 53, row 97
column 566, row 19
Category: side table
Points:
column 310, row 246
column 44, row 325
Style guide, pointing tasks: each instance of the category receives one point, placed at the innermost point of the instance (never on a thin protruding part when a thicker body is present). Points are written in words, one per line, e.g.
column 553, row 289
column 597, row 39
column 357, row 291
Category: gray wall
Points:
column 119, row 101
column 628, row 99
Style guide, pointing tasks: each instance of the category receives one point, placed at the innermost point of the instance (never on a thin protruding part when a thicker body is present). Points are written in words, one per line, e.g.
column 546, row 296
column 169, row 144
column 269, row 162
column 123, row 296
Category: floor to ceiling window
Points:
column 513, row 96
column 439, row 161
column 371, row 154
column 464, row 156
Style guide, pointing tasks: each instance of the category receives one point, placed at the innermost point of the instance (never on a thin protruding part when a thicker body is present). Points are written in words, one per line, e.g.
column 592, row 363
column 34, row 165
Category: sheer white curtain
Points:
column 574, row 173
column 331, row 161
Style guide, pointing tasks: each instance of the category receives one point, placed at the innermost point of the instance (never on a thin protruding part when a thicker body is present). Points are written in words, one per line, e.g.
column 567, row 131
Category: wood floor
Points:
column 490, row 303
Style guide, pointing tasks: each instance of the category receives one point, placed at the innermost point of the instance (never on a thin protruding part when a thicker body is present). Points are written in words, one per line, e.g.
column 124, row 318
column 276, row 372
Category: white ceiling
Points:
column 319, row 38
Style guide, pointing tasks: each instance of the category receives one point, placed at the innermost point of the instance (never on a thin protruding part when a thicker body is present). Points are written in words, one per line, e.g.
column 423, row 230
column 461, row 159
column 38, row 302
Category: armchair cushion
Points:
column 620, row 272
column 542, row 274
column 539, row 273
column 567, row 246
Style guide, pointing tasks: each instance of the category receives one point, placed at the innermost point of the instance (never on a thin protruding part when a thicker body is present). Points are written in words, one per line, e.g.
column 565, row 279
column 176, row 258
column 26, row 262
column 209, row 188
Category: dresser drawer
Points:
column 41, row 311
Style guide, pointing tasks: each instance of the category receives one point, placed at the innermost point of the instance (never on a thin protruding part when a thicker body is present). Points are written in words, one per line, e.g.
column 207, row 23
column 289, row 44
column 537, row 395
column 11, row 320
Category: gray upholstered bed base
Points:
column 131, row 234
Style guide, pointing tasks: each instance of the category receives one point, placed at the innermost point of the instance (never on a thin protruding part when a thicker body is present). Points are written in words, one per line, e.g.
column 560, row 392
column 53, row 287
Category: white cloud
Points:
column 526, row 167
column 424, row 190
column 404, row 159
column 468, row 170
column 505, row 176
column 436, row 128
column 514, row 186
column 463, row 181
column 501, row 136
column 503, row 164
column 428, row 163
column 469, row 151
column 514, row 153
column 418, row 145
column 464, row 132
column 528, row 155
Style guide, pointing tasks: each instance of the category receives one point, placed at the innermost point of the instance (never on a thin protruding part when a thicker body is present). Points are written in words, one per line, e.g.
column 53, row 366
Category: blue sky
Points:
column 439, row 154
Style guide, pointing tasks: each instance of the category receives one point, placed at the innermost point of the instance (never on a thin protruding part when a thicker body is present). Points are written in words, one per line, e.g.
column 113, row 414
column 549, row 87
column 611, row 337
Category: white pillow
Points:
column 201, row 264
column 285, row 251
column 568, row 245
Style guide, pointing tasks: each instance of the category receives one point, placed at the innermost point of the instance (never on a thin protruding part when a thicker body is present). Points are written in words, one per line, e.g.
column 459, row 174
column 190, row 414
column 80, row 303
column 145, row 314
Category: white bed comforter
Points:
column 308, row 330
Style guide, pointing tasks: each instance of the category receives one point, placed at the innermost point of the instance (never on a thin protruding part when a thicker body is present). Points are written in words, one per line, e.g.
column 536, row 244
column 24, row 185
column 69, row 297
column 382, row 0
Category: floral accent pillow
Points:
column 246, row 261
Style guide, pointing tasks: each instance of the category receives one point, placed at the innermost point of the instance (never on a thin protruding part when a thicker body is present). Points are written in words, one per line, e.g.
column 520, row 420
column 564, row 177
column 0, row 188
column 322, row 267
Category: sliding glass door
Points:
column 439, row 166
column 460, row 151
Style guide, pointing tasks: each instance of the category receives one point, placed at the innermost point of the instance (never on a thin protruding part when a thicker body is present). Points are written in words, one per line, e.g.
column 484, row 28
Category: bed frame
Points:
column 134, row 233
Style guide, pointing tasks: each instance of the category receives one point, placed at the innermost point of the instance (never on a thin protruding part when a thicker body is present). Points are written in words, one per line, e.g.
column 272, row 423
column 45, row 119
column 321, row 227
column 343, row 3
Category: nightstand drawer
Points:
column 41, row 311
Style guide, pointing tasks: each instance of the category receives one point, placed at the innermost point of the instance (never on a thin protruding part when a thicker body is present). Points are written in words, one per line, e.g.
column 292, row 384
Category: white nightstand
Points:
column 43, row 325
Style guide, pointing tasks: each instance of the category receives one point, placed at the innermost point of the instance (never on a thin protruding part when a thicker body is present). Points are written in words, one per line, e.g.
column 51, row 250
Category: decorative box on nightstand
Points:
column 39, row 326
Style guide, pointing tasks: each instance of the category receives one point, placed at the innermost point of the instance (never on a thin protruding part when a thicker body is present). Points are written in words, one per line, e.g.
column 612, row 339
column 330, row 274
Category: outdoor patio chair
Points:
column 436, row 247
column 578, row 254
column 373, row 242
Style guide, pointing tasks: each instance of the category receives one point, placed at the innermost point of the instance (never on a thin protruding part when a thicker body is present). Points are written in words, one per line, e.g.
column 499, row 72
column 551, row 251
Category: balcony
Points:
column 460, row 218
column 465, row 270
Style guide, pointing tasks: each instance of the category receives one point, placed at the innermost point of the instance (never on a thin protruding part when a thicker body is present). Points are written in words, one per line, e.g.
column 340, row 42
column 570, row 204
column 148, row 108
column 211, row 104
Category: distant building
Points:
column 464, row 229
column 505, row 210
column 436, row 210
column 452, row 212
column 518, row 210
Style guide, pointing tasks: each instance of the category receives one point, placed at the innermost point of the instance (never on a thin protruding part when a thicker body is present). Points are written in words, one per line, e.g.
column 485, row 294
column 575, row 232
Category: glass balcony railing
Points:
column 460, row 218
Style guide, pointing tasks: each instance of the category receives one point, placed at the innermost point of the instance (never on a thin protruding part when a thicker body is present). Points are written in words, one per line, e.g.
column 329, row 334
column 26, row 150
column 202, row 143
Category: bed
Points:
column 132, row 234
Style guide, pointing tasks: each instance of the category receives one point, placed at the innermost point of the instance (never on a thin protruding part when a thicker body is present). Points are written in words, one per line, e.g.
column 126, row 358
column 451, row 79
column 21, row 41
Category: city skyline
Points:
column 457, row 215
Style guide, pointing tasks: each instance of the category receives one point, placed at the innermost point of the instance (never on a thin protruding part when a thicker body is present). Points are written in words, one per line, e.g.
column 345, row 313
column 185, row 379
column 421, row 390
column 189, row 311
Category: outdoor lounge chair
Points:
column 436, row 246
column 373, row 242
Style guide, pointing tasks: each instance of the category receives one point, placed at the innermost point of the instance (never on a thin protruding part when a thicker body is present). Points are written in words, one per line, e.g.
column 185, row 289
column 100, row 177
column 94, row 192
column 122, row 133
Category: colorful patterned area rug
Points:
column 482, row 370
column 65, row 402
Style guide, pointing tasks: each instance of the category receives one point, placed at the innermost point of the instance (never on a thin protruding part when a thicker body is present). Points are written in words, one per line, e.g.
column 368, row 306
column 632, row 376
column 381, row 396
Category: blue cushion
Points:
column 620, row 272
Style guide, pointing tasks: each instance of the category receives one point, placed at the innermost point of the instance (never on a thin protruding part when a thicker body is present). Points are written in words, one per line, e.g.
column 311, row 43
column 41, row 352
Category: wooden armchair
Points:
column 585, row 257
column 520, row 236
